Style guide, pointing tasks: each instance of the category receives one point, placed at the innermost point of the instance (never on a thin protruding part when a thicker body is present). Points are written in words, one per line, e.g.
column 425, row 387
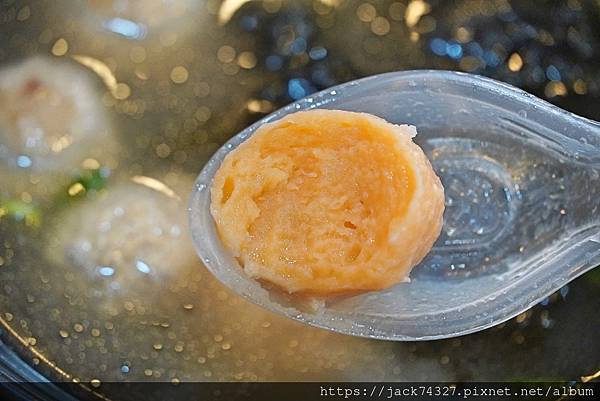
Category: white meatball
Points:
column 51, row 117
column 135, row 231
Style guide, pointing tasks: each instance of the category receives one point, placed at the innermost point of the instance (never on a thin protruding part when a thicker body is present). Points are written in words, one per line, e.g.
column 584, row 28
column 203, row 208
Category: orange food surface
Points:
column 327, row 202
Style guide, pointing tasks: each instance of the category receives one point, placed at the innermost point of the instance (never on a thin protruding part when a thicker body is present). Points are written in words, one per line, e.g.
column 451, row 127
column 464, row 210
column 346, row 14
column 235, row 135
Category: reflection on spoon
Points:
column 522, row 197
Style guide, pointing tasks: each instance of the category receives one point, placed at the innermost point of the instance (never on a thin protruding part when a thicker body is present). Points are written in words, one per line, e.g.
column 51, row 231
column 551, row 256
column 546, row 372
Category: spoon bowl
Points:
column 522, row 188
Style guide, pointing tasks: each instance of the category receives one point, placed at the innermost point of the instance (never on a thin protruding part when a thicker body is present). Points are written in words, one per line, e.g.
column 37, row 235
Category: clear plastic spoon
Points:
column 522, row 219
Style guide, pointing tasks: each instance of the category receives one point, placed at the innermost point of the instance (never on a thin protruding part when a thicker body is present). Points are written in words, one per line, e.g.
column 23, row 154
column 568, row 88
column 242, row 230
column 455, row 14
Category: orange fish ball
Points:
column 328, row 202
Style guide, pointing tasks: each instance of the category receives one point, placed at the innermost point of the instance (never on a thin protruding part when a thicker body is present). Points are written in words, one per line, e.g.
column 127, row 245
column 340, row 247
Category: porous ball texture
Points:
column 328, row 202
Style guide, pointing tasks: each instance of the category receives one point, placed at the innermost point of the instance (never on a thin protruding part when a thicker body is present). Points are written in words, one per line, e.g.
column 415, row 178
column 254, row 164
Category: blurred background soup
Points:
column 98, row 281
